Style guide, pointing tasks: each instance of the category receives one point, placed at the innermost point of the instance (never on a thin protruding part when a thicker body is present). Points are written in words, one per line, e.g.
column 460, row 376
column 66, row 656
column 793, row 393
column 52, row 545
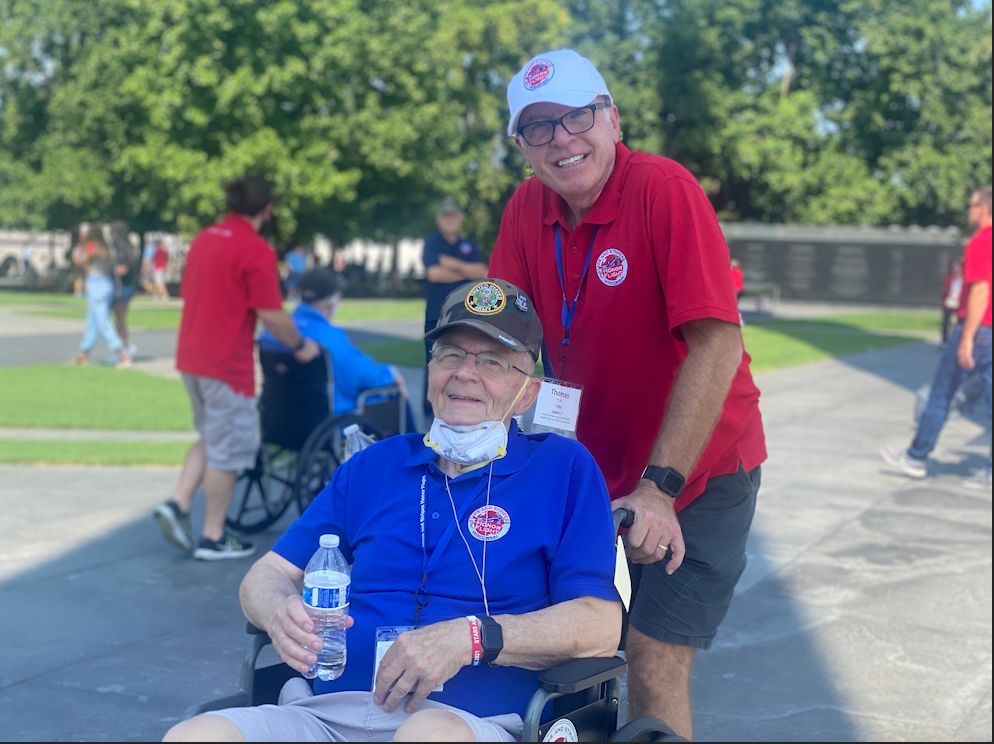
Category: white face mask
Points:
column 468, row 444
column 471, row 445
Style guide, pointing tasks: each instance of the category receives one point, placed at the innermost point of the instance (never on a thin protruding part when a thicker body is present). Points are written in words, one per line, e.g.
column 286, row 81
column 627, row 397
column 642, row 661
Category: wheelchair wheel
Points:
column 323, row 452
column 646, row 729
column 264, row 491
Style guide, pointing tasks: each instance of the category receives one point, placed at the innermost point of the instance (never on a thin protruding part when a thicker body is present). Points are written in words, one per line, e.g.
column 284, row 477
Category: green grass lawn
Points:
column 96, row 397
column 61, row 396
column 148, row 314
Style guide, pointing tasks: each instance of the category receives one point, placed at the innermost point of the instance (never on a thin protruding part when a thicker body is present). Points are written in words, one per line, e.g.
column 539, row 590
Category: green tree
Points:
column 362, row 114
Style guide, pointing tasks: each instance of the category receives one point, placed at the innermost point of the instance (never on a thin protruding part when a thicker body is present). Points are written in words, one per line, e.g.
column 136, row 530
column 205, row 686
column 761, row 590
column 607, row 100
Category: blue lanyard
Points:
column 569, row 308
column 421, row 595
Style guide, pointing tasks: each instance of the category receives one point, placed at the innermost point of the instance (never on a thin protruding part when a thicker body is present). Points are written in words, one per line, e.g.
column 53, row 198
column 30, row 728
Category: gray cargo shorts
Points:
column 347, row 716
column 226, row 421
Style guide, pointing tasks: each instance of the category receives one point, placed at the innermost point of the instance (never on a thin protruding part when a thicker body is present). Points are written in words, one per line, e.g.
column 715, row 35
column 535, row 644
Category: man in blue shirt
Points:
column 488, row 553
column 354, row 371
column 450, row 260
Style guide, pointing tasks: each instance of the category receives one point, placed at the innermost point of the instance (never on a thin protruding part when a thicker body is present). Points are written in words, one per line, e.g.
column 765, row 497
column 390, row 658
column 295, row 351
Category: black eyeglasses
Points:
column 490, row 363
column 577, row 121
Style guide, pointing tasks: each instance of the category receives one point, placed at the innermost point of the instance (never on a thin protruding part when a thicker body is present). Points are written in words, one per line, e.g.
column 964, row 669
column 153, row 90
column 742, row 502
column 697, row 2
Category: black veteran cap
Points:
column 317, row 284
column 498, row 309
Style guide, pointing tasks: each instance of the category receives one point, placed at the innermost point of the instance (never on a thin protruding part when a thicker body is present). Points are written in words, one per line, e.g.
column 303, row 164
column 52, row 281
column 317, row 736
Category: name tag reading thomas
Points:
column 557, row 407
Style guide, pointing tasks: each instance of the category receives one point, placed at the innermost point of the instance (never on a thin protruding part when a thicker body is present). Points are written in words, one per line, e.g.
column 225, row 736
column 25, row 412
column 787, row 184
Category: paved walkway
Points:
column 864, row 614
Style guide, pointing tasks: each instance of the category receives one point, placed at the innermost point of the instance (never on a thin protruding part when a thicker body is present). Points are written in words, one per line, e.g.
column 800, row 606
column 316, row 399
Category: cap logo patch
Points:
column 521, row 302
column 489, row 523
column 538, row 74
column 612, row 267
column 485, row 298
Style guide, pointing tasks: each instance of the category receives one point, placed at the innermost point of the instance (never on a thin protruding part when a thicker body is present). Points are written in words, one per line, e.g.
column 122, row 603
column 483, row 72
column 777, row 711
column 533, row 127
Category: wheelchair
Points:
column 583, row 694
column 302, row 439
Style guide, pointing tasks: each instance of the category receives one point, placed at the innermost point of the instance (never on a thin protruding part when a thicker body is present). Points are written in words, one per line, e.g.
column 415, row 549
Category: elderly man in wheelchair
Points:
column 487, row 552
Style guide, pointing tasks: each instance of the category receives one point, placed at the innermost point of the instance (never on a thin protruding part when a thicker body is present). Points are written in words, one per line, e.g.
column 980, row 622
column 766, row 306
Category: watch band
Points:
column 668, row 480
column 300, row 344
column 491, row 637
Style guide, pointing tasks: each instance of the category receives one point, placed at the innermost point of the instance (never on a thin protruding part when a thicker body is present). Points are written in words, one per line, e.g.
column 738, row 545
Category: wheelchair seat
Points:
column 301, row 436
column 581, row 696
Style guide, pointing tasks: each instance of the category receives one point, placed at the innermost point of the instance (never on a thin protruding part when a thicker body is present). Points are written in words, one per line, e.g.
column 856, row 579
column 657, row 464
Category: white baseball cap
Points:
column 561, row 76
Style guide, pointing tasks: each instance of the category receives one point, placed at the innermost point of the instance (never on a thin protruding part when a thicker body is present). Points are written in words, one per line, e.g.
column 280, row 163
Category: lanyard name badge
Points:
column 557, row 407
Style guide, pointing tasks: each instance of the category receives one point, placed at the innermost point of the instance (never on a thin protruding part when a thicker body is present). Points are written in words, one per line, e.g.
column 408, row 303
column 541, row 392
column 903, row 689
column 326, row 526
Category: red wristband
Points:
column 474, row 636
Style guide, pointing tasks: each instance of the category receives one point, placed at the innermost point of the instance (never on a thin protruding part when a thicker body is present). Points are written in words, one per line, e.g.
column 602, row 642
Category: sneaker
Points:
column 175, row 525
column 899, row 458
column 131, row 350
column 217, row 550
column 978, row 480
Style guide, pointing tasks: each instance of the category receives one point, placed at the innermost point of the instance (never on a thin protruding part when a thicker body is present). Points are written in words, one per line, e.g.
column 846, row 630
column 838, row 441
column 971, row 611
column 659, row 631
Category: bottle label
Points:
column 333, row 598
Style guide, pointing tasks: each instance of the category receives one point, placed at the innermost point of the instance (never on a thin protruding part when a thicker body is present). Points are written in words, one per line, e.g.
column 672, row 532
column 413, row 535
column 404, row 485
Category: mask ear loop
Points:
column 517, row 397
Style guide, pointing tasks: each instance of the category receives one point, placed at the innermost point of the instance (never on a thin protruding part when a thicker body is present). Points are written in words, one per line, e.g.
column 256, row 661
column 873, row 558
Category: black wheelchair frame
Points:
column 302, row 440
column 585, row 692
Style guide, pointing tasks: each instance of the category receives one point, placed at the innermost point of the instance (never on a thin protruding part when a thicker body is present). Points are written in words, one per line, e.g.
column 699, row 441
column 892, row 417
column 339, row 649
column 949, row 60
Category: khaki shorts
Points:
column 347, row 716
column 226, row 421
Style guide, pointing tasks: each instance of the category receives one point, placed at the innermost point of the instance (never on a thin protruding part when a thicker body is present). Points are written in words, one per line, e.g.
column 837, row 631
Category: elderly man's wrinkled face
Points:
column 575, row 166
column 471, row 393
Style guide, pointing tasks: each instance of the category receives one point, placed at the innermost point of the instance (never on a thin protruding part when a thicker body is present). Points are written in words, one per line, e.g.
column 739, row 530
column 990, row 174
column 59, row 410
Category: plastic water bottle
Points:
column 326, row 598
column 355, row 439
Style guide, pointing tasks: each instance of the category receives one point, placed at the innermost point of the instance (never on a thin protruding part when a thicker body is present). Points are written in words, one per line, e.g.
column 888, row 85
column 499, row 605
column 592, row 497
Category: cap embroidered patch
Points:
column 489, row 523
column 521, row 302
column 485, row 298
column 540, row 72
column 612, row 267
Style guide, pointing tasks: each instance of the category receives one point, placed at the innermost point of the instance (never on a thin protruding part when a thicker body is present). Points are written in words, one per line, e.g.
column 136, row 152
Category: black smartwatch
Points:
column 667, row 480
column 300, row 344
column 491, row 638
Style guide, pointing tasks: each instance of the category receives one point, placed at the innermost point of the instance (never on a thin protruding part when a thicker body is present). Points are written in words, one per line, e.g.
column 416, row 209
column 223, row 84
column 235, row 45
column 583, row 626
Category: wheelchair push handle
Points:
column 623, row 518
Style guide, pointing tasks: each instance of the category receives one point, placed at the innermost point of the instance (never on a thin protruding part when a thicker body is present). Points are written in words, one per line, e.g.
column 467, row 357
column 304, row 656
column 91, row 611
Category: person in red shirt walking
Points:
column 967, row 351
column 229, row 283
column 625, row 260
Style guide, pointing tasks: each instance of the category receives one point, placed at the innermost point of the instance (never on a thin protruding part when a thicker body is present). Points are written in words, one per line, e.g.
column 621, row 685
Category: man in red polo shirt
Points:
column 627, row 265
column 968, row 350
column 229, row 282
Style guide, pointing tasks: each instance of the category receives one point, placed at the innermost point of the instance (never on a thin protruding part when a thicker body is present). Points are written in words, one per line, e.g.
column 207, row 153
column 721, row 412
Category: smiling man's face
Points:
column 463, row 396
column 575, row 166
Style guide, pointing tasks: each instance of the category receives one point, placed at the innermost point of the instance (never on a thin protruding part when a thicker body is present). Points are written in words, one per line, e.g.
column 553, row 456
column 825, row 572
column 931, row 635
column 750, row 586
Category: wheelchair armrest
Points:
column 581, row 674
column 252, row 630
column 385, row 390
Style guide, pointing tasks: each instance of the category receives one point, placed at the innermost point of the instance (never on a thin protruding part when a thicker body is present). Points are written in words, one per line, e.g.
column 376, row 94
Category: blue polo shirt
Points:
column 551, row 541
column 354, row 370
column 435, row 292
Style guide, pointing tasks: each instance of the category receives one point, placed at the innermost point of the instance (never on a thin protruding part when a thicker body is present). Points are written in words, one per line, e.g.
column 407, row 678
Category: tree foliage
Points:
column 365, row 114
column 362, row 114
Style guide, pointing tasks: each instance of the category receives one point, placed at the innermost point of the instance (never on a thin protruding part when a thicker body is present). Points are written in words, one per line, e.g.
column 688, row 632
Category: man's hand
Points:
column 307, row 352
column 292, row 633
column 420, row 660
column 964, row 353
column 656, row 527
column 121, row 269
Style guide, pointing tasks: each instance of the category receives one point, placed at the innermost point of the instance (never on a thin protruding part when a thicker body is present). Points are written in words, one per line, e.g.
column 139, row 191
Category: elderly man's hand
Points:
column 419, row 661
column 656, row 527
column 292, row 633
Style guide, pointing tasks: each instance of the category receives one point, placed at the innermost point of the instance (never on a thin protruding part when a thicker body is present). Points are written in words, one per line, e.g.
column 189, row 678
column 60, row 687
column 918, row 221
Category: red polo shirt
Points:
column 977, row 268
column 659, row 260
column 230, row 273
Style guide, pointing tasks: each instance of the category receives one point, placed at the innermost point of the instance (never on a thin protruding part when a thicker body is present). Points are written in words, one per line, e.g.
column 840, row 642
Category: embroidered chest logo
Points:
column 489, row 523
column 465, row 247
column 485, row 298
column 540, row 72
column 611, row 267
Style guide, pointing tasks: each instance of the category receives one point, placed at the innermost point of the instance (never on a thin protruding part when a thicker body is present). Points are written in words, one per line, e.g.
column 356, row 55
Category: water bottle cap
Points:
column 351, row 429
column 329, row 541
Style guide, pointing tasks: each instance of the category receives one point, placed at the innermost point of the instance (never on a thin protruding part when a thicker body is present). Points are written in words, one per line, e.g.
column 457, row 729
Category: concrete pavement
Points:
column 864, row 614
